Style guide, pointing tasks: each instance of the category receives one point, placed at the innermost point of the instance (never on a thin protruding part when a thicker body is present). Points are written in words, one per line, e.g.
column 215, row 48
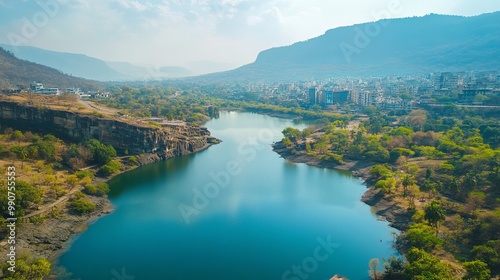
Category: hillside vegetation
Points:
column 443, row 167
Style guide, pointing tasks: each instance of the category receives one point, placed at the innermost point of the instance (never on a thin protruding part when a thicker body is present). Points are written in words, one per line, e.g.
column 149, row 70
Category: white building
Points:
column 36, row 86
column 365, row 98
column 103, row 95
column 54, row 91
column 73, row 90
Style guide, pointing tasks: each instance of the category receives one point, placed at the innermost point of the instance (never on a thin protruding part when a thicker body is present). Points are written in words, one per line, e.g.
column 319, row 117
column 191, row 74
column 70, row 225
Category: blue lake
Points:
column 234, row 211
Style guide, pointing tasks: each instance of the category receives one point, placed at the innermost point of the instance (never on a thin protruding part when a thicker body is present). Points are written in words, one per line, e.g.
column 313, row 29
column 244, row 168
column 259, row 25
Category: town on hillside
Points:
column 38, row 87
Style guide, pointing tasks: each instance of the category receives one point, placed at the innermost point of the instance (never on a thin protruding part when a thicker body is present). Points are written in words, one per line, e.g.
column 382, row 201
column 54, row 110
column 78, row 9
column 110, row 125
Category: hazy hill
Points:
column 140, row 73
column 397, row 46
column 77, row 65
column 87, row 67
column 14, row 71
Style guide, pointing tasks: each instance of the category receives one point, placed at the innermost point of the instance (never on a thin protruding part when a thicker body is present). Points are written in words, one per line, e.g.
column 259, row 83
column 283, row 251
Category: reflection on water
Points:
column 256, row 223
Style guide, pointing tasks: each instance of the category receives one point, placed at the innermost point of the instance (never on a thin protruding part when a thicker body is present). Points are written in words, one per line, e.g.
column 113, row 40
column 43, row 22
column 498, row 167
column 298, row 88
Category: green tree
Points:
column 422, row 236
column 407, row 181
column 488, row 253
column 71, row 180
column 132, row 160
column 413, row 192
column 26, row 196
column 424, row 266
column 398, row 152
column 17, row 135
column 481, row 98
column 320, row 147
column 21, row 153
column 387, row 186
column 477, row 270
column 110, row 168
column 82, row 205
column 402, row 131
column 26, row 270
column 99, row 189
column 49, row 138
column 292, row 133
column 376, row 124
column 375, row 151
column 434, row 214
column 394, row 268
column 33, row 151
column 287, row 142
column 85, row 173
column 380, row 171
column 475, row 200
column 47, row 150
column 102, row 154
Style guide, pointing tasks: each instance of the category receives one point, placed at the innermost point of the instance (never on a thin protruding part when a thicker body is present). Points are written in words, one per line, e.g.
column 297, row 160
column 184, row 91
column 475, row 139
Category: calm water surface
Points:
column 234, row 211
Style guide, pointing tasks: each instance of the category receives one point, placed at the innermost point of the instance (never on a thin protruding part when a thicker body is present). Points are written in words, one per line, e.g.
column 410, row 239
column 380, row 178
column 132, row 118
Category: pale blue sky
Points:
column 180, row 32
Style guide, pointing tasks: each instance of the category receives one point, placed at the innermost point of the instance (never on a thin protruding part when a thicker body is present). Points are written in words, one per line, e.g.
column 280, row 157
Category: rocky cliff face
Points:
column 165, row 142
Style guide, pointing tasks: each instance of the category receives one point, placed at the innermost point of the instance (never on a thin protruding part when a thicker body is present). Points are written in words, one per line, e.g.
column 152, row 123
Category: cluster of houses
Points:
column 38, row 88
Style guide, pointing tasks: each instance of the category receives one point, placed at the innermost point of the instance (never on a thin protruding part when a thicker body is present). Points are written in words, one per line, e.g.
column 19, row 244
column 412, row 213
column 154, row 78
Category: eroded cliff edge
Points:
column 127, row 137
column 149, row 142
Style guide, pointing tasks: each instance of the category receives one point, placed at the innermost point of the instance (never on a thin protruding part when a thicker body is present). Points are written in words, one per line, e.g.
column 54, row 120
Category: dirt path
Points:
column 51, row 206
column 100, row 109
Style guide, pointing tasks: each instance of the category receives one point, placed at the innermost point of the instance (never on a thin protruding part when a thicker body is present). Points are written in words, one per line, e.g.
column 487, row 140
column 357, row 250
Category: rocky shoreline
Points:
column 47, row 239
column 397, row 215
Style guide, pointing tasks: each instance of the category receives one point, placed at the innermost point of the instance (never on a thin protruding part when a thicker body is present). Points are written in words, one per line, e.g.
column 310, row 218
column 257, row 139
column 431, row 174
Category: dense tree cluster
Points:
column 27, row 269
column 42, row 157
column 177, row 102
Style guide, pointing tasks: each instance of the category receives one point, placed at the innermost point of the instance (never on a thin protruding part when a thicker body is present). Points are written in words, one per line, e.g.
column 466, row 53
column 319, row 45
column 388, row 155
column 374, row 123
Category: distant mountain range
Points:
column 80, row 65
column 433, row 43
column 397, row 46
column 16, row 72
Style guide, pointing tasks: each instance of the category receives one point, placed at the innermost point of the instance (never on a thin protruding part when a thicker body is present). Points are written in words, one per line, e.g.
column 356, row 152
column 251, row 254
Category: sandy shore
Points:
column 396, row 214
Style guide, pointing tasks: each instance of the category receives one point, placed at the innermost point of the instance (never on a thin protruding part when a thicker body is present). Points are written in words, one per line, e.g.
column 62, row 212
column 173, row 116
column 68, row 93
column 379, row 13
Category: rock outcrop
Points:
column 125, row 136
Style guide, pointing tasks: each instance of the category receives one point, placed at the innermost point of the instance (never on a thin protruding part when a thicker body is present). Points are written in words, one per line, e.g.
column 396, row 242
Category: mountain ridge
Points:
column 413, row 45
column 87, row 67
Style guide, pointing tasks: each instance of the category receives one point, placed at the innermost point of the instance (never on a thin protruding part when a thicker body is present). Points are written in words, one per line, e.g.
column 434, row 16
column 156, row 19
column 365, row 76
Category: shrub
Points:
column 380, row 171
column 423, row 237
column 398, row 152
column 447, row 166
column 477, row 270
column 335, row 158
column 110, row 168
column 83, row 174
column 82, row 206
column 132, row 160
column 98, row 190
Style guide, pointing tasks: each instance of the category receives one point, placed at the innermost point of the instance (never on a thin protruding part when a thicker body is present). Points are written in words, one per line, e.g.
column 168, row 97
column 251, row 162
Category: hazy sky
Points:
column 181, row 32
